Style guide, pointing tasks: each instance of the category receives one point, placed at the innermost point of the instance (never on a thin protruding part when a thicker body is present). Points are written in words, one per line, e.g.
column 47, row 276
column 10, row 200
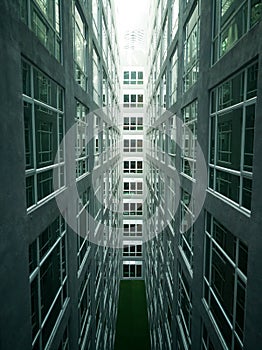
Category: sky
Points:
column 131, row 15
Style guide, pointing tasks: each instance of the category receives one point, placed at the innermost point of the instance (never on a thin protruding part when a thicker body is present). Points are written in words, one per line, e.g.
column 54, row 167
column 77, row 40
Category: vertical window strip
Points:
column 44, row 132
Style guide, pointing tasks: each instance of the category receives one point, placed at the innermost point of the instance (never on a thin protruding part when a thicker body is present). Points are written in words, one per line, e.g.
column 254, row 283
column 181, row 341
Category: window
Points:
column 133, row 123
column 171, row 144
column 132, row 248
column 189, row 139
column 81, row 120
column 105, row 88
column 97, row 139
column 163, row 92
column 191, row 49
column 48, row 281
column 225, row 280
column 132, row 269
column 175, row 10
column 43, row 134
column 164, row 40
column 133, row 228
column 187, row 227
column 170, row 201
column 80, row 48
column 133, row 100
column 133, row 145
column 231, row 22
column 173, row 78
column 96, row 78
column 44, row 18
column 96, row 16
column 133, row 208
column 133, row 77
column 184, row 312
column 232, row 136
column 133, row 166
column 132, row 186
column 105, row 45
column 82, row 218
column 98, row 198
column 84, row 310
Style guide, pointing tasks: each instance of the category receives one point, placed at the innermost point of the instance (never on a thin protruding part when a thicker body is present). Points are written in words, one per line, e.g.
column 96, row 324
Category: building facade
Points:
column 203, row 167
column 133, row 171
column 159, row 158
column 60, row 105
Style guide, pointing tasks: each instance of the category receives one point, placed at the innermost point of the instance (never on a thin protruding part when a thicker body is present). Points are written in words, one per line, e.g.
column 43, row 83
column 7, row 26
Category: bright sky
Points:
column 131, row 15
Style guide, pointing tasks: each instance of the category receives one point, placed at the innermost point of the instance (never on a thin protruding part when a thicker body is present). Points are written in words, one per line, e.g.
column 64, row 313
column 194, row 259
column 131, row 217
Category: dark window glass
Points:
column 34, row 307
column 140, row 75
column 242, row 257
column 247, row 193
column 26, row 78
column 139, row 270
column 133, row 98
column 228, row 185
column 45, row 184
column 229, row 139
column 249, row 138
column 50, row 279
column 240, row 308
column 30, row 191
column 28, row 129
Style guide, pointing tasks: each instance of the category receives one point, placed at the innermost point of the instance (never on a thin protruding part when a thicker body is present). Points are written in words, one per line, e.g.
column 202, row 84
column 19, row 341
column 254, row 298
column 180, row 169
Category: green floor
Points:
column 132, row 332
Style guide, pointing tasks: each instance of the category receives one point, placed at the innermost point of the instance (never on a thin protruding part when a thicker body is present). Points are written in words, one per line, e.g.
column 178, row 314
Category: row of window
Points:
column 135, row 208
column 184, row 314
column 45, row 19
column 100, row 78
column 162, row 141
column 189, row 139
column 133, row 100
column 133, row 228
column 43, row 134
column 225, row 273
column 48, row 256
column 133, row 187
column 224, row 292
column 231, row 135
column 48, row 281
column 187, row 226
column 133, row 145
column 132, row 248
column 231, row 20
column 81, row 121
column 225, row 280
column 133, row 123
column 132, row 269
column 133, row 77
column 232, row 126
column 83, row 229
column 133, row 166
column 43, row 102
column 84, row 312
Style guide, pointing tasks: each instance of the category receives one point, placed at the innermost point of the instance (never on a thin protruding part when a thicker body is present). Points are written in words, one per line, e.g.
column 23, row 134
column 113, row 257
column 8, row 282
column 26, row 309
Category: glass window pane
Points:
column 228, row 185
column 247, row 193
column 249, row 138
column 30, row 191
